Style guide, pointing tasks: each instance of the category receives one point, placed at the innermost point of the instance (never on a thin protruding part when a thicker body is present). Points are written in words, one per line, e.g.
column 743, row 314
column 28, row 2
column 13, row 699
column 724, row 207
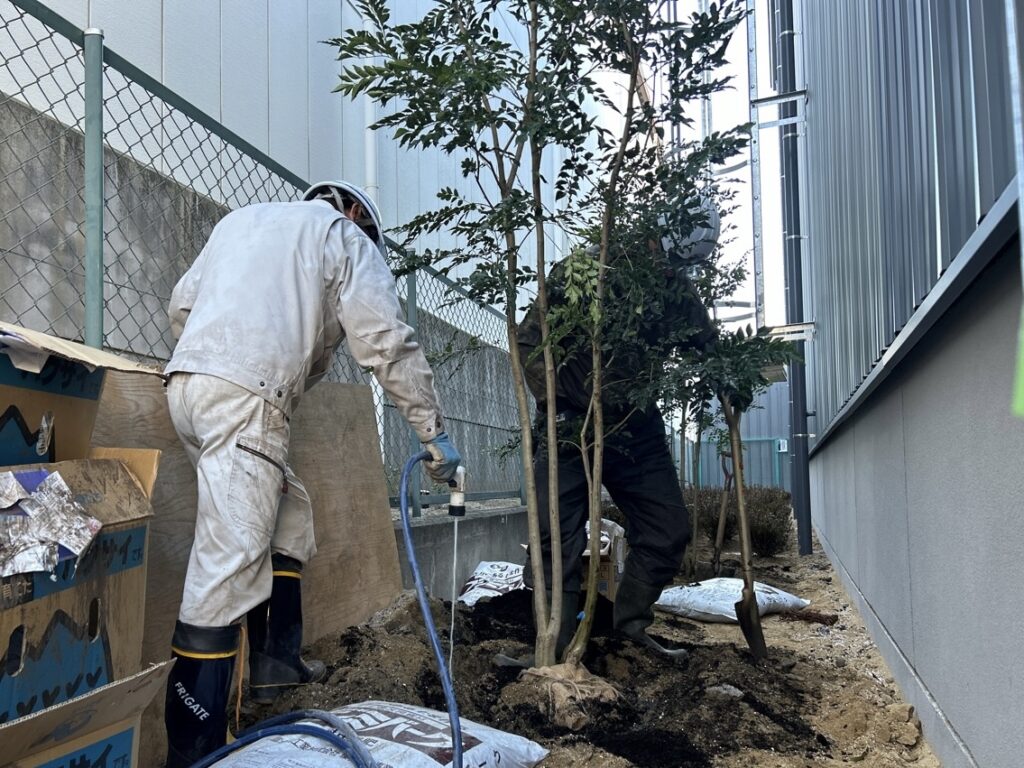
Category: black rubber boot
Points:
column 633, row 613
column 275, row 664
column 197, row 691
column 256, row 627
column 566, row 630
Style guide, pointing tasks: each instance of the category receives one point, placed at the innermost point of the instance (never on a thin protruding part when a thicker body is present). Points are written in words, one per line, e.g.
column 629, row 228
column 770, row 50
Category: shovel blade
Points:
column 750, row 622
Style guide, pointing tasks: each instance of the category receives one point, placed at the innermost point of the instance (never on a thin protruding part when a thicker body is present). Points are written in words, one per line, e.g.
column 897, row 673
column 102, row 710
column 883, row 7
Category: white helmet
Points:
column 700, row 242
column 336, row 191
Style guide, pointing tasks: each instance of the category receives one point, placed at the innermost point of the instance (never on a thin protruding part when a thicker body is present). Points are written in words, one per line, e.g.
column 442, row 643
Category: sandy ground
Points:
column 823, row 698
column 856, row 705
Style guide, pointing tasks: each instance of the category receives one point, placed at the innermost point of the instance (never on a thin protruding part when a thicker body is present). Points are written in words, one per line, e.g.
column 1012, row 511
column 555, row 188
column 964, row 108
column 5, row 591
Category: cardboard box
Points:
column 80, row 628
column 50, row 388
column 608, row 578
column 613, row 559
column 97, row 730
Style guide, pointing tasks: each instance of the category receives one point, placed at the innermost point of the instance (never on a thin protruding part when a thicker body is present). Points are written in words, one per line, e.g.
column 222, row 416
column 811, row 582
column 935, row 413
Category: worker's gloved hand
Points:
column 445, row 458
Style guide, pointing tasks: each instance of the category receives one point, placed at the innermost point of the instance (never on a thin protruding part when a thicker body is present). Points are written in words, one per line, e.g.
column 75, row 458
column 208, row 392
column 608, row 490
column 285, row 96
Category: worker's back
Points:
column 671, row 319
column 253, row 304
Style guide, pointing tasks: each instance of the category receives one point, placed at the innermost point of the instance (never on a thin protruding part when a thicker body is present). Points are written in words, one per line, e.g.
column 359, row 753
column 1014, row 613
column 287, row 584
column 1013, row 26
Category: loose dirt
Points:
column 823, row 698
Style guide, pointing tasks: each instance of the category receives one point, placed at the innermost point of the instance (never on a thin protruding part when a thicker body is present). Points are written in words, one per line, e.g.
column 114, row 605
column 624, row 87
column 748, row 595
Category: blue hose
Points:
column 428, row 619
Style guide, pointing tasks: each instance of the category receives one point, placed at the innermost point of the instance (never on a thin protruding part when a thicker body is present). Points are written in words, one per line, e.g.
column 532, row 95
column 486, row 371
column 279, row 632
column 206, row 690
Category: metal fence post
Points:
column 93, row 45
column 412, row 318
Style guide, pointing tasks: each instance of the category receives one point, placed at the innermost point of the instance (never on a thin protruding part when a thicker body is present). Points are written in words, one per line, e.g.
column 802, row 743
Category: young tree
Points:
column 689, row 391
column 736, row 374
column 456, row 80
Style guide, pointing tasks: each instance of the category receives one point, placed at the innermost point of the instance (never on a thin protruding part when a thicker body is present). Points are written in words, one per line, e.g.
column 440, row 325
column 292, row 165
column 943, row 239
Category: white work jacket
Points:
column 273, row 293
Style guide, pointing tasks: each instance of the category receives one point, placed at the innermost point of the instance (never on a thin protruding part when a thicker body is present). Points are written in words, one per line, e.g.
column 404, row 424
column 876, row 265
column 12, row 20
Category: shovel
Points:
column 746, row 609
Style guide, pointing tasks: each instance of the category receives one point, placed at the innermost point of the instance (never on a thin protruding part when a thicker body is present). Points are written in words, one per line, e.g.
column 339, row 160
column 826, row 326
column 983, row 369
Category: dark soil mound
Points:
column 670, row 715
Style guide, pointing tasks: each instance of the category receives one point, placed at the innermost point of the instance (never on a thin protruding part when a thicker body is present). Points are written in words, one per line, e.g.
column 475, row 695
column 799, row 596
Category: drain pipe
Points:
column 372, row 187
column 370, row 182
column 792, row 253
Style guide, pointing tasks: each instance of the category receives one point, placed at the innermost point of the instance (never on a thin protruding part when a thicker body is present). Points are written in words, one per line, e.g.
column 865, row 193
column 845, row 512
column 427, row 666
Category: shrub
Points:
column 771, row 519
column 706, row 501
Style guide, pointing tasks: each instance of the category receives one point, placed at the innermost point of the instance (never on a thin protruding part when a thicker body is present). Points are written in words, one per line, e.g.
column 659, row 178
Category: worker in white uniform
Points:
column 257, row 318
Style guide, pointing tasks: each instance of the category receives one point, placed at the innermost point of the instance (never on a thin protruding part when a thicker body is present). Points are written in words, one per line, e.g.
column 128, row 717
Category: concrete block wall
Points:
column 476, row 393
column 918, row 502
column 497, row 535
column 154, row 227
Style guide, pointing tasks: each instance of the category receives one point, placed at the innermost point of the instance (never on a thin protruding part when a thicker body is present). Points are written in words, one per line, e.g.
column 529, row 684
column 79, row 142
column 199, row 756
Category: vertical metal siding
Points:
column 763, row 426
column 908, row 143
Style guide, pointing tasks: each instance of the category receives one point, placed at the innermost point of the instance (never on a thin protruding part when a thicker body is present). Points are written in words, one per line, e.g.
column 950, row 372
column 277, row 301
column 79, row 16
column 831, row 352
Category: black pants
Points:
column 641, row 477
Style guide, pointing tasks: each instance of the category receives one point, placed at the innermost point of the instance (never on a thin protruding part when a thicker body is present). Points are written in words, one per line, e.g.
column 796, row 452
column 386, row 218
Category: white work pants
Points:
column 250, row 502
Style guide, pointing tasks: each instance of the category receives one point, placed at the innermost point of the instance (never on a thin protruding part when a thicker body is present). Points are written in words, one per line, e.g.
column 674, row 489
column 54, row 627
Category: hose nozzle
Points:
column 457, row 499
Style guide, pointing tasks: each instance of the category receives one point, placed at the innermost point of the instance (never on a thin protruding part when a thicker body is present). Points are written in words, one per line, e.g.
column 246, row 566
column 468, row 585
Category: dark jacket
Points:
column 678, row 320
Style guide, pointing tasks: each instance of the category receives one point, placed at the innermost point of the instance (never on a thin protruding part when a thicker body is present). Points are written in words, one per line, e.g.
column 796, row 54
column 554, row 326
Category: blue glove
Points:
column 445, row 458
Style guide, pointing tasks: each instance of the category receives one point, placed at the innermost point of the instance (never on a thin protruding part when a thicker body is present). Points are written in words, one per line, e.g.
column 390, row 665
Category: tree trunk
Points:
column 690, row 557
column 695, row 460
column 574, row 653
column 746, row 609
column 723, row 511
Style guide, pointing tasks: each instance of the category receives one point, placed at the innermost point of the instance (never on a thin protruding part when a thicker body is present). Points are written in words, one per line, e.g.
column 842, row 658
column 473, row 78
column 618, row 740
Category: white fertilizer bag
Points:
column 715, row 600
column 397, row 736
column 491, row 579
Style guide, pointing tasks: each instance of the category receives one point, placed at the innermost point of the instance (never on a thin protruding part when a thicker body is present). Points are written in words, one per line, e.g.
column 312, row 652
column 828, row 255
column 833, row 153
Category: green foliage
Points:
column 462, row 80
column 507, row 450
column 733, row 368
column 456, row 80
column 717, row 434
column 740, row 357
column 771, row 519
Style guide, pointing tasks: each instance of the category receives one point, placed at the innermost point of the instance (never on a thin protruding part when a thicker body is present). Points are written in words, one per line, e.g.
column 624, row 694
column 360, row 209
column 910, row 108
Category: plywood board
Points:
column 333, row 450
column 133, row 414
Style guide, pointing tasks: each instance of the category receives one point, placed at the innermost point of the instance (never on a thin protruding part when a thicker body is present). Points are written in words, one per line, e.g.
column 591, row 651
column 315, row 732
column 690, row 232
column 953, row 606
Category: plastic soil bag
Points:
column 714, row 600
column 397, row 736
column 491, row 579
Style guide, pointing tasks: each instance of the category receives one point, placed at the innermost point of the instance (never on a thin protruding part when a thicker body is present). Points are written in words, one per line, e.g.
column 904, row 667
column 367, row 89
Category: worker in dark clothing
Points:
column 638, row 470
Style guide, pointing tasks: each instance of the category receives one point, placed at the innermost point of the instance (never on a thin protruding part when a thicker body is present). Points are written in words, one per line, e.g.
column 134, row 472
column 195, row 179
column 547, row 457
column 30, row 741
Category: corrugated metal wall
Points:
column 907, row 146
column 908, row 143
column 765, row 430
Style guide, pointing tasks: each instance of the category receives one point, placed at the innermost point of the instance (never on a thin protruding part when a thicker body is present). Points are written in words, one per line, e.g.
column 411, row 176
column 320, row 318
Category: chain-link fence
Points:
column 170, row 172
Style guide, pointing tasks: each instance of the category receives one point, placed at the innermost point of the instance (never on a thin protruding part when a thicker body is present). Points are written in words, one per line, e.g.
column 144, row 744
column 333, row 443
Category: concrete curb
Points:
column 494, row 534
